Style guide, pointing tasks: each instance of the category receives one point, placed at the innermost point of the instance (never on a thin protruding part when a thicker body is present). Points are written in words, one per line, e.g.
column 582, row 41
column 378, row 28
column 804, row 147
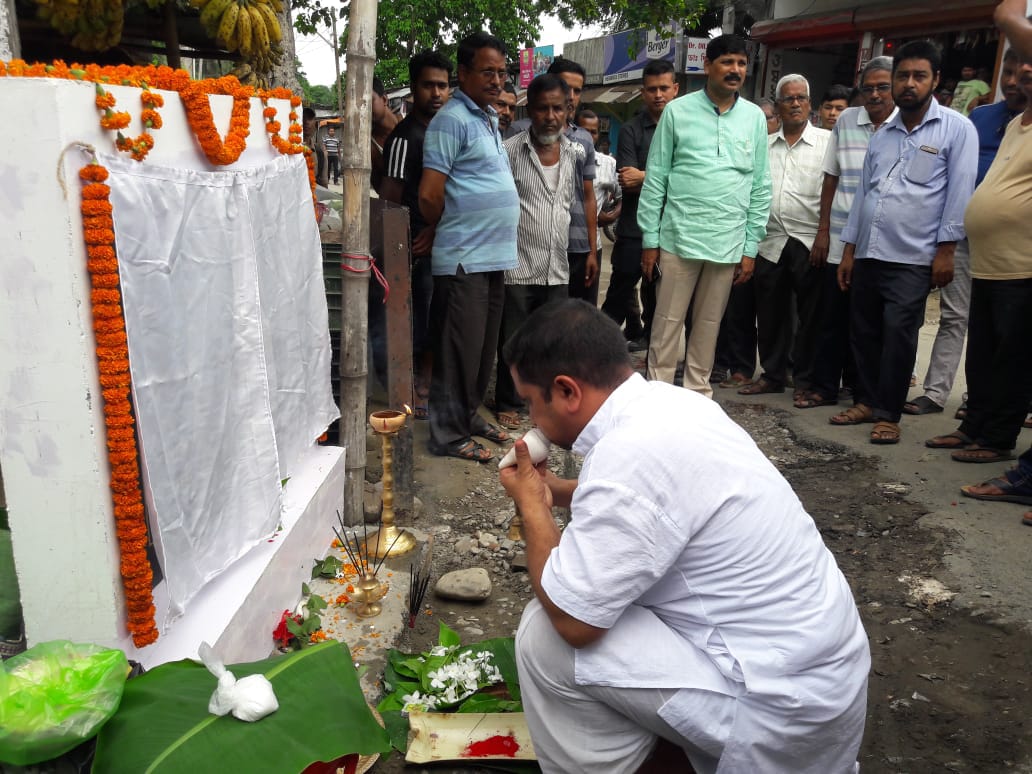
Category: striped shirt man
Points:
column 546, row 195
column 477, row 229
column 844, row 158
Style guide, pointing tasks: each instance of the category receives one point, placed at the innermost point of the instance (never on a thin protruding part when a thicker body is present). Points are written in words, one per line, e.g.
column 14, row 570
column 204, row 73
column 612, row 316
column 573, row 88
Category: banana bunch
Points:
column 247, row 26
column 93, row 25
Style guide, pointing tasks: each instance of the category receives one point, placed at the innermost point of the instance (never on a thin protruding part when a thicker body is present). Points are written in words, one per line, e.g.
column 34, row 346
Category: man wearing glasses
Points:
column 843, row 164
column 468, row 195
column 783, row 269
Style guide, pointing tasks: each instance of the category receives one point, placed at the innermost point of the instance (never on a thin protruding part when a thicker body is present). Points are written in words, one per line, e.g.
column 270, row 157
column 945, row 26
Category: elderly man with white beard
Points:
column 544, row 167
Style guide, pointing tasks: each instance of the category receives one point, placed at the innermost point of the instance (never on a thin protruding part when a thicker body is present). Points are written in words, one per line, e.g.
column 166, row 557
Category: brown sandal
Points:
column 854, row 415
column 954, row 440
column 977, row 453
column 510, row 420
column 885, row 432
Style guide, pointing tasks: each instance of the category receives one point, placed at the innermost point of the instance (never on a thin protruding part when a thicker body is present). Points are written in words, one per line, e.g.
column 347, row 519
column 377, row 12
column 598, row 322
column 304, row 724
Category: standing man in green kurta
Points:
column 703, row 210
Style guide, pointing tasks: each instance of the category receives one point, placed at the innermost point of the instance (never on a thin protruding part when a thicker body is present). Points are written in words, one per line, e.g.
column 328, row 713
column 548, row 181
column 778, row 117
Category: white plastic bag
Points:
column 251, row 698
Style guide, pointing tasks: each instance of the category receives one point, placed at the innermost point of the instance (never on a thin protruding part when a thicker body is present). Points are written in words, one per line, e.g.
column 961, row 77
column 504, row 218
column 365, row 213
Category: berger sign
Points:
column 625, row 54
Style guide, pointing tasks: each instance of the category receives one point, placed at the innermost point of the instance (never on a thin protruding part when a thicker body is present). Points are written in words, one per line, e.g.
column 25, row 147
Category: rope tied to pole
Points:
column 368, row 259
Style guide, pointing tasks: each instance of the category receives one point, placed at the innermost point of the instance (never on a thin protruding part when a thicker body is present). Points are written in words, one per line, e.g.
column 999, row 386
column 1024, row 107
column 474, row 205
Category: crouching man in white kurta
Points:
column 690, row 598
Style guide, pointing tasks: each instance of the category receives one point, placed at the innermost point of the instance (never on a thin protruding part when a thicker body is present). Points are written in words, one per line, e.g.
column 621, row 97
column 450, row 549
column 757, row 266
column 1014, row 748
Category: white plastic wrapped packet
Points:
column 251, row 698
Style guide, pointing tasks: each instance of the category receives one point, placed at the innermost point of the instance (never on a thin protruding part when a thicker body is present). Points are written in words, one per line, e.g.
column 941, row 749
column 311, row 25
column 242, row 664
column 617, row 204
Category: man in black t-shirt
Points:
column 429, row 74
column 659, row 86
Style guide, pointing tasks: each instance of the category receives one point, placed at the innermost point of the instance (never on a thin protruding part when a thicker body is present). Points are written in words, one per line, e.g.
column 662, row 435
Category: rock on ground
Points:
column 465, row 585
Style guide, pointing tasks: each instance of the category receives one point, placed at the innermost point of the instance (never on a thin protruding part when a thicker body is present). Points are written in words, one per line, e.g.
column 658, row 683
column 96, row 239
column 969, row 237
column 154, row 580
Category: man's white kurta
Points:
column 678, row 512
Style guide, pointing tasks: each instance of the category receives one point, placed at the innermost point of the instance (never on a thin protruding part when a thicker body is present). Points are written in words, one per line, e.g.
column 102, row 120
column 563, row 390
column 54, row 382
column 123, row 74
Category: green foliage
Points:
column 326, row 568
column 406, row 27
column 406, row 674
column 163, row 723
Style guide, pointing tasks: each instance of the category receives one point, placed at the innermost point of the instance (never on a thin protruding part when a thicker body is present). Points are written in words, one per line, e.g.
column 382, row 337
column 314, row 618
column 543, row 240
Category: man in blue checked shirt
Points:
column 903, row 229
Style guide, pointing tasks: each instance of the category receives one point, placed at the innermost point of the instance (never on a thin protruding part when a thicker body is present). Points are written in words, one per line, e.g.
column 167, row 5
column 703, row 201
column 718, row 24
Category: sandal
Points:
column 464, row 450
column 510, row 420
column 885, row 433
column 854, row 415
column 1027, row 422
column 492, row 433
column 421, row 404
column 1006, row 492
column 922, row 405
column 762, row 386
column 812, row 399
column 954, row 440
column 977, row 453
column 736, row 379
column 1026, row 519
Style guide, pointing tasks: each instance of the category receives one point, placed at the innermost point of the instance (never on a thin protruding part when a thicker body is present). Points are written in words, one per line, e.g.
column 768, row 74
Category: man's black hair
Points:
column 544, row 83
column 570, row 337
column 919, row 49
column 378, row 86
column 657, row 67
column 507, row 86
column 725, row 44
column 424, row 59
column 836, row 91
column 308, row 114
column 586, row 113
column 563, row 65
column 470, row 44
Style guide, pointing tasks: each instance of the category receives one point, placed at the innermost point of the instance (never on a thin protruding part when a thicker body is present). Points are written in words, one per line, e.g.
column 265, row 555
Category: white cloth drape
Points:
column 229, row 349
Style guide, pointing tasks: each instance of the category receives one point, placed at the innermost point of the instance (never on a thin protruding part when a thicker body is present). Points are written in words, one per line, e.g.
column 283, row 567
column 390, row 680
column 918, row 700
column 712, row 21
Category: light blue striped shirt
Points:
column 914, row 189
column 477, row 229
column 845, row 160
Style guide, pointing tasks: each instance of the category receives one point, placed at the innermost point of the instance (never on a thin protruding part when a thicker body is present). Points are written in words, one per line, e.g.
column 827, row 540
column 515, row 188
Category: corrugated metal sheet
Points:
column 589, row 55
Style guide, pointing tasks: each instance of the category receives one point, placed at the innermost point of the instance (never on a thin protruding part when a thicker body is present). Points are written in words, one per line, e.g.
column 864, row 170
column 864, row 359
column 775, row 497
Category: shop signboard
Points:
column 533, row 62
column 625, row 54
column 694, row 55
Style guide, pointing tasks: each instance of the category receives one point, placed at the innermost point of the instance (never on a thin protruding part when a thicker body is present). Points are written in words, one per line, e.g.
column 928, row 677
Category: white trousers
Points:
column 685, row 280
column 954, row 301
column 586, row 729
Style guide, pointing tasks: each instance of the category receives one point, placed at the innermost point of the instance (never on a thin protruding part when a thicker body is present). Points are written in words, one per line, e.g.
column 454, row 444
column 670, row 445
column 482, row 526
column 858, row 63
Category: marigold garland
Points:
column 113, row 364
column 102, row 264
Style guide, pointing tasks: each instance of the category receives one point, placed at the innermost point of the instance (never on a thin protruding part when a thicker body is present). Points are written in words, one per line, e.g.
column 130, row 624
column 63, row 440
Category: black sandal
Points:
column 492, row 433
column 464, row 450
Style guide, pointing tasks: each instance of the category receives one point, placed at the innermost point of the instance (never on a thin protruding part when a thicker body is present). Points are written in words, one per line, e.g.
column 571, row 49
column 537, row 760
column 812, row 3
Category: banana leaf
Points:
column 163, row 725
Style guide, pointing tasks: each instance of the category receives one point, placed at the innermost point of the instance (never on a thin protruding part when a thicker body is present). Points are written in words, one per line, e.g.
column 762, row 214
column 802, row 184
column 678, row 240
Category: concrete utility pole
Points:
column 355, row 258
column 10, row 43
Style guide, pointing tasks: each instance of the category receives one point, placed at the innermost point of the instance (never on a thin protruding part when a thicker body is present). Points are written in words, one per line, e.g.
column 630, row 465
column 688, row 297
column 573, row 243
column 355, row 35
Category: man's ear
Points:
column 567, row 389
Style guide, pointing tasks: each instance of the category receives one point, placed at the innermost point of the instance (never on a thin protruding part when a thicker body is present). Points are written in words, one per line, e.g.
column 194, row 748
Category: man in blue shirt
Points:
column 990, row 122
column 903, row 228
column 468, row 197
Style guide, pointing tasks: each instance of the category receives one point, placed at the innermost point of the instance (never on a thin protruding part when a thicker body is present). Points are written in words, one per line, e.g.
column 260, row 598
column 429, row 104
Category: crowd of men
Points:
column 805, row 235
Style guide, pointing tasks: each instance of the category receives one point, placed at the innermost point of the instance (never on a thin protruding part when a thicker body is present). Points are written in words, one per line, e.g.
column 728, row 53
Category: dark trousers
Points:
column 466, row 313
column 520, row 301
column 620, row 304
column 578, row 270
column 774, row 286
column 334, row 167
column 422, row 293
column 833, row 359
column 885, row 315
column 376, row 314
column 736, row 342
column 998, row 365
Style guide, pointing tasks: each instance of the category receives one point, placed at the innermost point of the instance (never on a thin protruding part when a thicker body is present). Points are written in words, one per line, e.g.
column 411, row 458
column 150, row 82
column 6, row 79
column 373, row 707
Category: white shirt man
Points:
column 691, row 596
column 783, row 269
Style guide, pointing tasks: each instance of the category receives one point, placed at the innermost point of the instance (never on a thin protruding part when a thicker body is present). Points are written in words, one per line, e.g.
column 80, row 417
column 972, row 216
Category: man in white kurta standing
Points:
column 691, row 598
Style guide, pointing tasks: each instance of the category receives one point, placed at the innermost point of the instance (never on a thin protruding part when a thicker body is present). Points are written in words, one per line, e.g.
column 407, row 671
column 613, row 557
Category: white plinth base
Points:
column 237, row 612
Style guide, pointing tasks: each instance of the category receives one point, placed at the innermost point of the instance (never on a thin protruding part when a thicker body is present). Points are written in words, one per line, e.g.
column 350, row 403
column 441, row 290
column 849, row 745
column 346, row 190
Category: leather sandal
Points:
column 922, row 405
column 978, row 453
column 885, row 433
column 812, row 399
column 854, row 415
column 954, row 440
column 762, row 386
column 736, row 379
column 464, row 450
